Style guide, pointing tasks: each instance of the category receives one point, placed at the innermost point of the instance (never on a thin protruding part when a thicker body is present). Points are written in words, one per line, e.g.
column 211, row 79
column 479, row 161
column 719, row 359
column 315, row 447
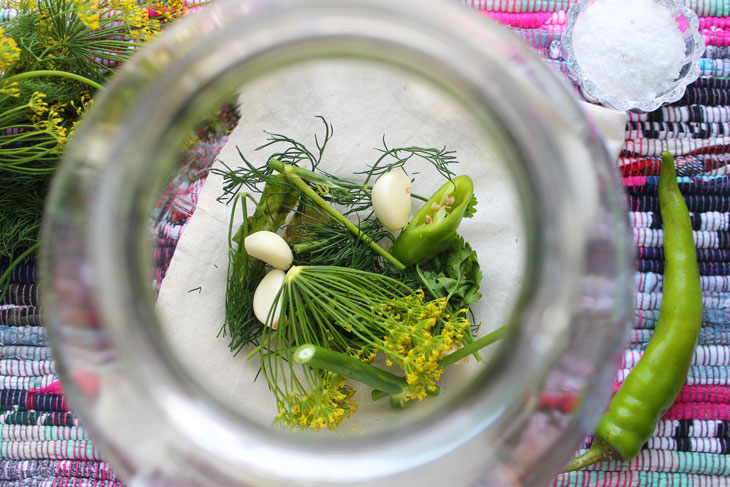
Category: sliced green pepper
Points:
column 435, row 222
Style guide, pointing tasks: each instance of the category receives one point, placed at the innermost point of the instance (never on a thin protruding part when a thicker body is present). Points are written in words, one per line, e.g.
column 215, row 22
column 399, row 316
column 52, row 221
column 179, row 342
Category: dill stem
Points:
column 289, row 172
column 7, row 113
column 473, row 347
column 28, row 171
column 8, row 152
column 352, row 368
column 34, row 156
column 52, row 72
column 22, row 136
column 261, row 345
column 304, row 247
column 313, row 177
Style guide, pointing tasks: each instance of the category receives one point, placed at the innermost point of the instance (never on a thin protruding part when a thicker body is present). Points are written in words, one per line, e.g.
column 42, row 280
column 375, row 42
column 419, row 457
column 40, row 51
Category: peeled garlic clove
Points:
column 269, row 247
column 391, row 198
column 264, row 296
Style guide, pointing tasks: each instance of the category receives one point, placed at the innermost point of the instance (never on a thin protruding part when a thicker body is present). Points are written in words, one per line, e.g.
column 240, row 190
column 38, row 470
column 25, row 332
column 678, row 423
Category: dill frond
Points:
column 54, row 54
column 440, row 159
column 360, row 314
column 21, row 210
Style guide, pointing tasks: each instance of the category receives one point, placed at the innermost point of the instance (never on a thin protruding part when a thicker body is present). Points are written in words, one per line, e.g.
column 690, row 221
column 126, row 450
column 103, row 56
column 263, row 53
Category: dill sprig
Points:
column 296, row 152
column 352, row 197
column 244, row 273
column 326, row 243
column 440, row 159
column 54, row 56
column 360, row 314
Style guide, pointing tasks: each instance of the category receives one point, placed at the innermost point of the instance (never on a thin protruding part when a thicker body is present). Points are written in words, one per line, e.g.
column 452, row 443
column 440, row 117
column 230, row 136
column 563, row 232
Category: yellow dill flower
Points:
column 37, row 103
column 418, row 339
column 134, row 16
column 10, row 89
column 88, row 12
column 52, row 125
column 411, row 333
column 22, row 5
column 174, row 9
column 9, row 51
column 329, row 403
column 83, row 103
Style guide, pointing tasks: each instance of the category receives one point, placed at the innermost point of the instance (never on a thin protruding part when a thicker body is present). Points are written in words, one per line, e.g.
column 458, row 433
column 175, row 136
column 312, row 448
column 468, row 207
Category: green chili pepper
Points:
column 435, row 222
column 653, row 385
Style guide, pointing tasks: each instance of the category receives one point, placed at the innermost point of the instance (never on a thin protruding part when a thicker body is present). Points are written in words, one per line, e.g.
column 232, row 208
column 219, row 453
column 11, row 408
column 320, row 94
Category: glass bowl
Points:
column 139, row 387
column 687, row 23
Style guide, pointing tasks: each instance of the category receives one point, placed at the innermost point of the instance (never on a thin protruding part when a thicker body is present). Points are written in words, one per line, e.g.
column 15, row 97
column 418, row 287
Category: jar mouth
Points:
column 107, row 187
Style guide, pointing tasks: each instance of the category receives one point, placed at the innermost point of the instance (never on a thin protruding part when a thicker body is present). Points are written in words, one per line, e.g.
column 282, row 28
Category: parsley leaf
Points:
column 471, row 208
column 454, row 274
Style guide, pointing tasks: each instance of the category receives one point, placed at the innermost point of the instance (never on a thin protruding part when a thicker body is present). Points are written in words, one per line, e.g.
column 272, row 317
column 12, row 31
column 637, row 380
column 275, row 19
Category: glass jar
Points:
column 514, row 422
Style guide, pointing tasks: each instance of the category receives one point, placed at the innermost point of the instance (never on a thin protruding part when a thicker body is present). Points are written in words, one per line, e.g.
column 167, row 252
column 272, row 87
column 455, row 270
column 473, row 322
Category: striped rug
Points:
column 42, row 443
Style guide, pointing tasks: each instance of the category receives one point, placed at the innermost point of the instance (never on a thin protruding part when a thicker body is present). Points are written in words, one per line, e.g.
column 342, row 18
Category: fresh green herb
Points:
column 325, row 243
column 333, row 213
column 440, row 159
column 244, row 272
column 361, row 315
column 347, row 299
column 321, row 208
column 471, row 208
column 348, row 196
column 54, row 56
column 384, row 383
column 454, row 274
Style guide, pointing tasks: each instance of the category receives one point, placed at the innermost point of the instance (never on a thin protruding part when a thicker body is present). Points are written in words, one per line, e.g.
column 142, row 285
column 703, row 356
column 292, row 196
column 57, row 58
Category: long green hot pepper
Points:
column 653, row 385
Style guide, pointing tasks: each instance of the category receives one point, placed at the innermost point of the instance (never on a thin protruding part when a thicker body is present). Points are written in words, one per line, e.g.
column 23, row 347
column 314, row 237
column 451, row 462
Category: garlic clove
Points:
column 269, row 247
column 264, row 296
column 391, row 199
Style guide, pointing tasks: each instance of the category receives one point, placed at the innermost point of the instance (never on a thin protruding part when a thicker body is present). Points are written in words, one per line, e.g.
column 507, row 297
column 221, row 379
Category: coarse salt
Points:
column 630, row 49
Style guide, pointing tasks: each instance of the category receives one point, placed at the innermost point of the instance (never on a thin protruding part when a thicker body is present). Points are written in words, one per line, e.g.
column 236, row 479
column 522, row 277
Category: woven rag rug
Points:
column 43, row 445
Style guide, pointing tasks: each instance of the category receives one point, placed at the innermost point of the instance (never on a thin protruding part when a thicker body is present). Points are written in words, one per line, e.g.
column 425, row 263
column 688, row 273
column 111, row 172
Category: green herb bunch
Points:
column 318, row 236
column 346, row 301
column 54, row 56
column 359, row 314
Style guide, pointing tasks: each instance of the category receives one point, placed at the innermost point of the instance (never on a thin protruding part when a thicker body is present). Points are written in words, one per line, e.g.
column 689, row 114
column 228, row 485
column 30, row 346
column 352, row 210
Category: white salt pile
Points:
column 631, row 49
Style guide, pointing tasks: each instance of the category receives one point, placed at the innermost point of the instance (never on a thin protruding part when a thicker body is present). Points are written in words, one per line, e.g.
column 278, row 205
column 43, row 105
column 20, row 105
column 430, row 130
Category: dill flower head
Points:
column 326, row 406
column 9, row 51
column 10, row 89
column 88, row 12
column 359, row 314
column 37, row 103
column 419, row 335
column 52, row 124
column 22, row 5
